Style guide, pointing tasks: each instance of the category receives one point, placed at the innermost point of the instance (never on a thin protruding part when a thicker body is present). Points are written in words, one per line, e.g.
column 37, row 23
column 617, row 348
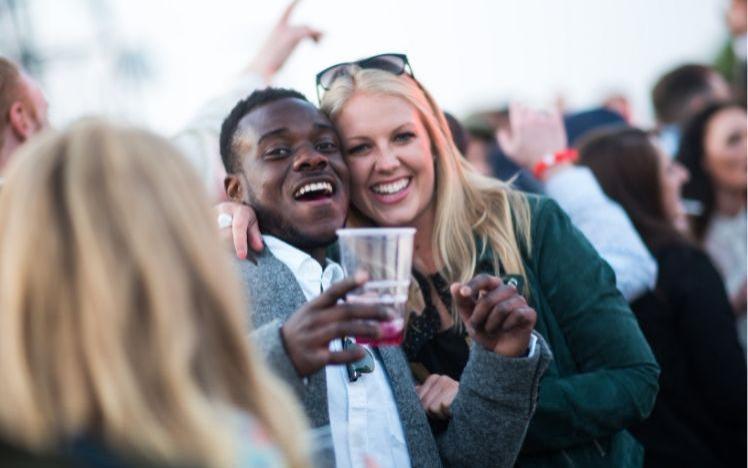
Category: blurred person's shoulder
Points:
column 84, row 451
column 13, row 456
column 684, row 265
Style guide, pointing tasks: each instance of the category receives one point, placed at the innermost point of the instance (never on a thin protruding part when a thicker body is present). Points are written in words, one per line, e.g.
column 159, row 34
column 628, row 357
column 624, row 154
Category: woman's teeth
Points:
column 391, row 187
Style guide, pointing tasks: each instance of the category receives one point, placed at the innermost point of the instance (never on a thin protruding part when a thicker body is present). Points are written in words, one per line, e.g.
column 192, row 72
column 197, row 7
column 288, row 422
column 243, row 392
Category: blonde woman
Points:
column 405, row 171
column 121, row 335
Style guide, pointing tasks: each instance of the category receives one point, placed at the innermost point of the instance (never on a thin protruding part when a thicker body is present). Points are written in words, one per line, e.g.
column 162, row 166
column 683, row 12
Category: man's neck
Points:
column 317, row 253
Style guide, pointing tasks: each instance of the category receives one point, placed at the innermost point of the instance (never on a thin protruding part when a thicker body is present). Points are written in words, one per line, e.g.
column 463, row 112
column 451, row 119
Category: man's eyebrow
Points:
column 324, row 126
column 271, row 134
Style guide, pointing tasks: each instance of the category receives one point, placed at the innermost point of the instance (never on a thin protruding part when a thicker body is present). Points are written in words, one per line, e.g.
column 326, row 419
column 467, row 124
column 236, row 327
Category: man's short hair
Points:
column 673, row 93
column 231, row 160
column 10, row 90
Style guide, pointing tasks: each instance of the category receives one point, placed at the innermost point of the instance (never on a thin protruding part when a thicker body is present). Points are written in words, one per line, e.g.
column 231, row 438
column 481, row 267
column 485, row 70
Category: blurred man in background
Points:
column 23, row 108
column 681, row 93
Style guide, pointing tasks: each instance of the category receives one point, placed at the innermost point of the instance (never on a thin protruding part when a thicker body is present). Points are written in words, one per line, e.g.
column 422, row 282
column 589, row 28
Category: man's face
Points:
column 292, row 172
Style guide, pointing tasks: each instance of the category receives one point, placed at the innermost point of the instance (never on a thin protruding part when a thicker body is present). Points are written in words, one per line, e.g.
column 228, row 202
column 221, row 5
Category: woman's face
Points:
column 388, row 152
column 726, row 158
column 672, row 177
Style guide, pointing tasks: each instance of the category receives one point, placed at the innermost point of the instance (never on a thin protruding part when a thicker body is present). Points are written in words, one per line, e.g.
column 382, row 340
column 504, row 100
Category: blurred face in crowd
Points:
column 26, row 116
column 388, row 151
column 736, row 17
column 293, row 173
column 719, row 88
column 672, row 177
column 726, row 158
column 38, row 103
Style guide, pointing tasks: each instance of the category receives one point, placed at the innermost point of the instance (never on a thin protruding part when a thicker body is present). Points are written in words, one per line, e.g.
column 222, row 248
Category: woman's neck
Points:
column 423, row 251
column 729, row 202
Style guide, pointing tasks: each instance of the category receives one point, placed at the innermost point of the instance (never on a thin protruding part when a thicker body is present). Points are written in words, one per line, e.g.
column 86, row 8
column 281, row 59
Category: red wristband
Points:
column 567, row 155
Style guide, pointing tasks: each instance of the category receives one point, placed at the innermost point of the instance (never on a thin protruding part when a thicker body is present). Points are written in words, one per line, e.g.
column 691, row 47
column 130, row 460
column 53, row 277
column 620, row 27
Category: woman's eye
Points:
column 327, row 147
column 404, row 137
column 733, row 139
column 358, row 149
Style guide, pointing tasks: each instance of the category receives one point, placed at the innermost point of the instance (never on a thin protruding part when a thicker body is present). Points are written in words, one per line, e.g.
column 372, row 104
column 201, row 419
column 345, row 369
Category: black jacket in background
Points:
column 699, row 418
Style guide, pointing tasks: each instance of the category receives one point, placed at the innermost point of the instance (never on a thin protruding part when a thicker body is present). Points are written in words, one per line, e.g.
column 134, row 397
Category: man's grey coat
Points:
column 490, row 413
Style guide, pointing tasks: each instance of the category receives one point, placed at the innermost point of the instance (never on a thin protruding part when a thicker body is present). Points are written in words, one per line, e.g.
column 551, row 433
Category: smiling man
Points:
column 283, row 158
column 297, row 181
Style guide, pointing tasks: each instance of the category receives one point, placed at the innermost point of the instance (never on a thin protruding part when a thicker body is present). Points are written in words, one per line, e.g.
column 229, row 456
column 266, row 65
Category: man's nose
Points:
column 310, row 159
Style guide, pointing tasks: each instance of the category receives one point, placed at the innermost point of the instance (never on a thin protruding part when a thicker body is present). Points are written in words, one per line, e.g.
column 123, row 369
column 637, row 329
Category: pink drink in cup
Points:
column 386, row 255
column 391, row 332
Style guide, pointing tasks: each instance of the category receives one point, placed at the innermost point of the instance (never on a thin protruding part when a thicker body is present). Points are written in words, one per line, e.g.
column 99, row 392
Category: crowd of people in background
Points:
column 578, row 288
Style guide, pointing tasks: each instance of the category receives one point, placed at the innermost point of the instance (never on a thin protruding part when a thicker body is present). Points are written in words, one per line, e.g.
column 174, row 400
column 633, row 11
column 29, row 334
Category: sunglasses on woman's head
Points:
column 397, row 64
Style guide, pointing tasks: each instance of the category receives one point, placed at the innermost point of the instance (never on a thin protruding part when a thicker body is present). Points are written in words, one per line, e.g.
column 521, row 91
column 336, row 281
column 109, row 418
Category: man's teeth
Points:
column 392, row 187
column 325, row 187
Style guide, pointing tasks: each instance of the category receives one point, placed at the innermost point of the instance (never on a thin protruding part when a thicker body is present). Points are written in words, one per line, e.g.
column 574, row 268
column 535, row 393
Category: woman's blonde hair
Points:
column 119, row 318
column 467, row 203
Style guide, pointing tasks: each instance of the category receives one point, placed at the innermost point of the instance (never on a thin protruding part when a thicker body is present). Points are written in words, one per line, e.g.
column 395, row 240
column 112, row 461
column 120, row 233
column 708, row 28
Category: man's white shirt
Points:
column 364, row 420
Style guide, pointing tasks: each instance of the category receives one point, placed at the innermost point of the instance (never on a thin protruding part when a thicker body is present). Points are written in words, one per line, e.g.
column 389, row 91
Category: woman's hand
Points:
column 496, row 316
column 437, row 394
column 243, row 230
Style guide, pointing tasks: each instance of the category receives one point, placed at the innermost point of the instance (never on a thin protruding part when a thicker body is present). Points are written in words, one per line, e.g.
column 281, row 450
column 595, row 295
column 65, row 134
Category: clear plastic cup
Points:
column 386, row 254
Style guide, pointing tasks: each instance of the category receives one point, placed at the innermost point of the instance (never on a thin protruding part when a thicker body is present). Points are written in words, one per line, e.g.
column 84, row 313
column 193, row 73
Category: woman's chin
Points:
column 394, row 218
column 401, row 215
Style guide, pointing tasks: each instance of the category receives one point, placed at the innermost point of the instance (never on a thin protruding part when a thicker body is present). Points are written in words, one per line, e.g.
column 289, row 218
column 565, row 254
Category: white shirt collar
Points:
column 293, row 258
column 310, row 275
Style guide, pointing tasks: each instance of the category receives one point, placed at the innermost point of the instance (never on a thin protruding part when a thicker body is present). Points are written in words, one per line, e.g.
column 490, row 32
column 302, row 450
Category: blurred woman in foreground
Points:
column 121, row 337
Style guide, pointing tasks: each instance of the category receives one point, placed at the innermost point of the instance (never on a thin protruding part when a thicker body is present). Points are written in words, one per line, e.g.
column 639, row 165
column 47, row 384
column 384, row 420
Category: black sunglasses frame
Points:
column 373, row 62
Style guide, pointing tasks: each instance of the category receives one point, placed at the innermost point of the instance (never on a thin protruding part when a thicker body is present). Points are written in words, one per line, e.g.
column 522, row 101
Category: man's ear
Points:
column 20, row 121
column 235, row 188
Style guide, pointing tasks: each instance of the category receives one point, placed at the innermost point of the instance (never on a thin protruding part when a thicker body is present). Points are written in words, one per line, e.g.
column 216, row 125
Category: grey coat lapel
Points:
column 273, row 295
column 421, row 444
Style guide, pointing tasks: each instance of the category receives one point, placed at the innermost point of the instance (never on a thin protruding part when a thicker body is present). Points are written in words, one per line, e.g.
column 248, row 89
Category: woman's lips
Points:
column 392, row 191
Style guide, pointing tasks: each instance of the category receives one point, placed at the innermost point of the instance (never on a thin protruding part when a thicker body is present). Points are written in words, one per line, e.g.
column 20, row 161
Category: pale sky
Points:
column 471, row 54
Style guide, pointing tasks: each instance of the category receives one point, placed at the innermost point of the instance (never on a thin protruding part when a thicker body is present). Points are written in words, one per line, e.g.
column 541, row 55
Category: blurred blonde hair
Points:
column 120, row 317
column 468, row 204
